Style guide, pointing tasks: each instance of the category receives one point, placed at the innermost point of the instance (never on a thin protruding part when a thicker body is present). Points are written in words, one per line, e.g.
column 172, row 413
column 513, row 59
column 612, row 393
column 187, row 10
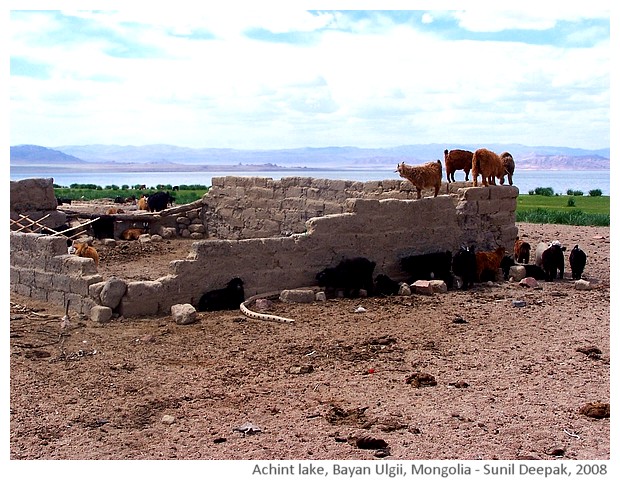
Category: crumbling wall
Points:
column 34, row 198
column 253, row 207
column 374, row 225
column 41, row 268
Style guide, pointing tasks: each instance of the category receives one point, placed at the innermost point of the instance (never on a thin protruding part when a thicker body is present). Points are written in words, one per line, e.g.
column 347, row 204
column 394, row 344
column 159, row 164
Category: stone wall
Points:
column 381, row 229
column 34, row 198
column 240, row 207
column 41, row 268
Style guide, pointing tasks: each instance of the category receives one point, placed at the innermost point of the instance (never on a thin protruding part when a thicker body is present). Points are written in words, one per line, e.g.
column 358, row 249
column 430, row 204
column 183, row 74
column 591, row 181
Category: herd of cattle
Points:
column 353, row 277
column 489, row 165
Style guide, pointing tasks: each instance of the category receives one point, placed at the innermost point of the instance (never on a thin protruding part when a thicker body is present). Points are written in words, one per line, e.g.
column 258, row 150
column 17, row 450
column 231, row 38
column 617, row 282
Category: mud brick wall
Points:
column 41, row 268
column 377, row 220
column 34, row 198
column 252, row 207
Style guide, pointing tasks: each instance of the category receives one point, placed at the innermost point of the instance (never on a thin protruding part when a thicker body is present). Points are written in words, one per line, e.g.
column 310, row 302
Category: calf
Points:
column 488, row 165
column 464, row 266
column 488, row 263
column 350, row 276
column 142, row 203
column 82, row 249
column 132, row 233
column 423, row 176
column 229, row 298
column 457, row 160
column 429, row 266
column 552, row 260
column 158, row 201
column 385, row 286
column 577, row 260
column 522, row 251
column 509, row 167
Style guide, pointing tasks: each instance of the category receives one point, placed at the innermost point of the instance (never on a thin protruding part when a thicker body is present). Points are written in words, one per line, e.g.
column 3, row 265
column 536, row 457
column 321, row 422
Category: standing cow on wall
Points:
column 457, row 160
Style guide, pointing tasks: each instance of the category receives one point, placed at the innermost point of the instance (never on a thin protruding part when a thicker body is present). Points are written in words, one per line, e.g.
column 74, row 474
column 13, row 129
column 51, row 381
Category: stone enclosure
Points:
column 274, row 234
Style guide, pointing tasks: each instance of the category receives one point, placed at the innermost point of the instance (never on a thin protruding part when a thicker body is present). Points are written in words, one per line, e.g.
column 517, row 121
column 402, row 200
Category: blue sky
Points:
column 308, row 74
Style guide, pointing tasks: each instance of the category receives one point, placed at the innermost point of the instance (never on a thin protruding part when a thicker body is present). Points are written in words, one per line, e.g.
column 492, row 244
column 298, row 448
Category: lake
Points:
column 525, row 180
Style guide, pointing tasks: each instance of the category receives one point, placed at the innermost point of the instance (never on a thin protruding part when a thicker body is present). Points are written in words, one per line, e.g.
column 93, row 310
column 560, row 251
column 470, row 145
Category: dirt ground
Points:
column 464, row 375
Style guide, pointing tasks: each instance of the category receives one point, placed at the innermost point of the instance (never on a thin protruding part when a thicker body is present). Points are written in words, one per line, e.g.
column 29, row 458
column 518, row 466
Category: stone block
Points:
column 297, row 296
column 438, row 286
column 423, row 287
column 101, row 314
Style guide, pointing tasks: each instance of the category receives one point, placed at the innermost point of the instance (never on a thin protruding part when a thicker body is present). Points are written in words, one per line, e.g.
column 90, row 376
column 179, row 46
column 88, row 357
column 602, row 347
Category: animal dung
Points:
column 300, row 369
column 419, row 379
column 595, row 410
column 370, row 443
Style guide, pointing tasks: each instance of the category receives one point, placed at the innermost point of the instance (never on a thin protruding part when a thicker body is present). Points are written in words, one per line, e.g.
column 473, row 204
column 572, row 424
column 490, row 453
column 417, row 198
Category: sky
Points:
column 272, row 75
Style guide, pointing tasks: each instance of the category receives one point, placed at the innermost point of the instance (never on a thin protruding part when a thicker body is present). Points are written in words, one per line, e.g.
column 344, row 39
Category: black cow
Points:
column 464, row 266
column 429, row 266
column 229, row 298
column 350, row 276
column 553, row 261
column 385, row 286
column 119, row 199
column 577, row 260
column 158, row 201
column 60, row 200
column 533, row 271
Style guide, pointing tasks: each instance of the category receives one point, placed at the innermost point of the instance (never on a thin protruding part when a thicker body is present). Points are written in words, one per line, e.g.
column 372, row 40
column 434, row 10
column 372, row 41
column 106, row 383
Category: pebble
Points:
column 168, row 419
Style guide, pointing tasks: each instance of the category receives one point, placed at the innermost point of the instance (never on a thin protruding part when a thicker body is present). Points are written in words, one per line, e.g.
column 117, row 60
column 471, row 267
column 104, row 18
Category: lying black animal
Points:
column 384, row 285
column 350, row 276
column 464, row 266
column 533, row 271
column 429, row 266
column 229, row 298
column 577, row 260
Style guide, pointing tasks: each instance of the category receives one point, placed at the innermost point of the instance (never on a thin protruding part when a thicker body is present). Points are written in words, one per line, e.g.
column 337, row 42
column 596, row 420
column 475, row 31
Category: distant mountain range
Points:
column 170, row 157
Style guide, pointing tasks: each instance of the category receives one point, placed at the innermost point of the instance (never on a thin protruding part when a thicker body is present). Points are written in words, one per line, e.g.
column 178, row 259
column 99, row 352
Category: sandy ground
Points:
column 463, row 375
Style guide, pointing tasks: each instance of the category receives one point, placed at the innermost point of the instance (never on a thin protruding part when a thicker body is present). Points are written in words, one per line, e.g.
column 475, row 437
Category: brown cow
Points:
column 132, row 233
column 427, row 175
column 509, row 166
column 488, row 165
column 82, row 249
column 489, row 262
column 457, row 160
column 522, row 251
column 142, row 203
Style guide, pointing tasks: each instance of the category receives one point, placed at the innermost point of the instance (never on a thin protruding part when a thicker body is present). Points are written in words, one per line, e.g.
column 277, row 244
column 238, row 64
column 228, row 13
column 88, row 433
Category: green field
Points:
column 564, row 209
column 185, row 194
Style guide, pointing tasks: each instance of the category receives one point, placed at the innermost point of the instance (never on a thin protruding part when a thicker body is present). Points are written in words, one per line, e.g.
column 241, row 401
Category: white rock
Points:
column 583, row 285
column 183, row 313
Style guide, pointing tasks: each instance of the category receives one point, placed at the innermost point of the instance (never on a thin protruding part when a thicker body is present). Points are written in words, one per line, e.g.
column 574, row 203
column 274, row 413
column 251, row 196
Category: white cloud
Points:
column 364, row 85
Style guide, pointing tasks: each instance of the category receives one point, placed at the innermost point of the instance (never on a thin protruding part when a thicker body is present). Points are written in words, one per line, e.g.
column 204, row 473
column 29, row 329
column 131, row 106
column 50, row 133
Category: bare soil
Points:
column 463, row 375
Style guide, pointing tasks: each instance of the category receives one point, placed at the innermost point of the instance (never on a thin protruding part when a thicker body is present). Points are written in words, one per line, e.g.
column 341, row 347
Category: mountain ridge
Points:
column 534, row 157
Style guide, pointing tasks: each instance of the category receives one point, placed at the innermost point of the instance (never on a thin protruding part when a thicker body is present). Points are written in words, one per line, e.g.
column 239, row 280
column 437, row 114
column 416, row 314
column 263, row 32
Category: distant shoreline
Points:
column 163, row 167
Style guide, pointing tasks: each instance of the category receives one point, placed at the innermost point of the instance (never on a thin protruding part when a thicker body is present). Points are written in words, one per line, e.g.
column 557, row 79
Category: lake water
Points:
column 525, row 180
